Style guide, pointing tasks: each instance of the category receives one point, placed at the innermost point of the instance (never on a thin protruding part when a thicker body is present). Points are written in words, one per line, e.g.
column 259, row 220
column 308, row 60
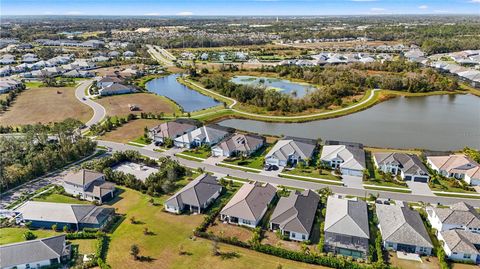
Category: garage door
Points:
column 420, row 179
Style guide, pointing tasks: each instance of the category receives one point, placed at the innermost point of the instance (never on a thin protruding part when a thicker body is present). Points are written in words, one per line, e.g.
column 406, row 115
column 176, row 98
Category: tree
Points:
column 28, row 235
column 134, row 251
column 65, row 228
column 54, row 227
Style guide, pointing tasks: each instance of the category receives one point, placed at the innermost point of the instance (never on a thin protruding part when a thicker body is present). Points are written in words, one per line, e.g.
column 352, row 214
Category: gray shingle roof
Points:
column 250, row 201
column 400, row 224
column 172, row 129
column 347, row 217
column 82, row 177
column 408, row 163
column 241, row 142
column 197, row 192
column 32, row 251
column 292, row 145
column 461, row 241
column 353, row 157
column 296, row 213
column 459, row 214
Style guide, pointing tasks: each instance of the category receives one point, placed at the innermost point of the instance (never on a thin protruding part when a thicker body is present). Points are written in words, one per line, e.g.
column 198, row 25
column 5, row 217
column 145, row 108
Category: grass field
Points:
column 14, row 235
column 45, row 105
column 118, row 105
column 130, row 130
column 255, row 160
column 59, row 198
column 198, row 152
column 172, row 233
column 312, row 172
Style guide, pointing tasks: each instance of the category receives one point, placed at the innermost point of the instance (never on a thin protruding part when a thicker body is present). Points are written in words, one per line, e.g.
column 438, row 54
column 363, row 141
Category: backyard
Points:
column 147, row 102
column 130, row 131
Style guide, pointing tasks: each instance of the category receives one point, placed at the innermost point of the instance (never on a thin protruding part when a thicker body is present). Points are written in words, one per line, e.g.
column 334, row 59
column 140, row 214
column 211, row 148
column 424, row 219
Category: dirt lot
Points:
column 129, row 131
column 118, row 105
column 45, row 105
column 270, row 238
column 229, row 230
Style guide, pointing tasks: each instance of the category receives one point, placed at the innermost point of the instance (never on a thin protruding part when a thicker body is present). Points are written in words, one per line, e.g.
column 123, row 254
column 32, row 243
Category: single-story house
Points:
column 348, row 157
column 294, row 215
column 346, row 227
column 248, row 206
column 461, row 245
column 74, row 216
column 403, row 230
column 457, row 166
column 39, row 253
column 128, row 53
column 408, row 166
column 291, row 150
column 89, row 185
column 7, row 85
column 205, row 135
column 238, row 144
column 170, row 129
column 459, row 216
column 195, row 196
column 116, row 88
column 108, row 81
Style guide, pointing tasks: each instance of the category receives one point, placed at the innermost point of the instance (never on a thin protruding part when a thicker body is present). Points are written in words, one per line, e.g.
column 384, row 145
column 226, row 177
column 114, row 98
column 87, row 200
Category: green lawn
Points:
column 375, row 178
column 14, row 235
column 391, row 190
column 33, row 84
column 85, row 246
column 59, row 198
column 141, row 140
column 198, row 152
column 312, row 180
column 439, row 184
column 170, row 234
column 313, row 172
column 255, row 160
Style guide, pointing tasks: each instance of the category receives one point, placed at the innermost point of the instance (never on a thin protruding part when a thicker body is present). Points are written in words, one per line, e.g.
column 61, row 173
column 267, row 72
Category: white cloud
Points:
column 423, row 7
column 185, row 13
column 475, row 1
column 73, row 13
column 152, row 14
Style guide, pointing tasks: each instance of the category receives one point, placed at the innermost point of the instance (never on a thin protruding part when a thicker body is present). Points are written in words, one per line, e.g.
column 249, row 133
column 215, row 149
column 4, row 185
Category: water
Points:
column 190, row 100
column 298, row 90
column 443, row 122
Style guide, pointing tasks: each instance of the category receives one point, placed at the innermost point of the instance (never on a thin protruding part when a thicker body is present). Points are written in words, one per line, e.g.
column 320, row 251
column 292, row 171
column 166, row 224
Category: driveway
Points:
column 353, row 182
column 420, row 188
column 99, row 111
column 214, row 160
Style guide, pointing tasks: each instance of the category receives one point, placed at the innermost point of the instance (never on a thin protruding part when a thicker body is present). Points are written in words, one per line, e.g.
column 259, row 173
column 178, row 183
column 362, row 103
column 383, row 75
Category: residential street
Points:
column 291, row 182
column 99, row 111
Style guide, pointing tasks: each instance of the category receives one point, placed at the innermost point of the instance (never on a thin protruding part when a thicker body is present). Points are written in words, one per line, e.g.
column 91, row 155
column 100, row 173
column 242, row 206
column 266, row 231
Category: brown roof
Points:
column 457, row 164
column 241, row 142
column 172, row 129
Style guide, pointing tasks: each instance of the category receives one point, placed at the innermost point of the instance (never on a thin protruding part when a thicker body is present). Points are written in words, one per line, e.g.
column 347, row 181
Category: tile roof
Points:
column 250, row 201
column 400, row 224
column 296, row 213
column 292, row 145
column 459, row 214
column 347, row 217
column 458, row 163
column 197, row 192
column 83, row 177
column 171, row 129
column 353, row 157
column 461, row 241
column 241, row 142
column 408, row 163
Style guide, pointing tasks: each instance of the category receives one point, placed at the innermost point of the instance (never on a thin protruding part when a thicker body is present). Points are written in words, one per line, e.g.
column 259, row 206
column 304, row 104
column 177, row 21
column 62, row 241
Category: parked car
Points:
column 270, row 167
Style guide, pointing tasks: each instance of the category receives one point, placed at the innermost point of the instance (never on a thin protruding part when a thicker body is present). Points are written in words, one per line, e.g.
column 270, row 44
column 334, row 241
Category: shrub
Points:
column 28, row 235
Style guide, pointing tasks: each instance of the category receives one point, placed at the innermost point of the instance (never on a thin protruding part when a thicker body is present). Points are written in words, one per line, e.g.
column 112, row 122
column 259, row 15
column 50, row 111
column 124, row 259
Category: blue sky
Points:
column 236, row 7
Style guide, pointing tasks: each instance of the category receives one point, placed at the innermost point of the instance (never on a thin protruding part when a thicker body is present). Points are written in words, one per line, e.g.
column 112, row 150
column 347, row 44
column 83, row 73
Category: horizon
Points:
column 185, row 8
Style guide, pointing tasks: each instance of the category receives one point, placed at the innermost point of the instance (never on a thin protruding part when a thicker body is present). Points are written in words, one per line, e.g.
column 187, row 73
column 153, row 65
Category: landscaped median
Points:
column 457, row 194
column 239, row 167
column 312, row 179
column 386, row 188
column 189, row 157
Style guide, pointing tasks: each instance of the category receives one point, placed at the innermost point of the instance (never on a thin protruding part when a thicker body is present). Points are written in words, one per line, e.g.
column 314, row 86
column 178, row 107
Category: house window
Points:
column 293, row 235
column 303, row 236
column 467, row 256
column 247, row 222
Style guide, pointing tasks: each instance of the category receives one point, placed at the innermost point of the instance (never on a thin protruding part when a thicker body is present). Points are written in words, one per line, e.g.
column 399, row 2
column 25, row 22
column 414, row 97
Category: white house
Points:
column 205, row 135
column 116, row 88
column 461, row 245
column 290, row 150
column 238, row 144
column 349, row 158
column 108, row 81
column 248, row 206
column 408, row 166
column 89, row 185
column 456, row 166
column 460, row 216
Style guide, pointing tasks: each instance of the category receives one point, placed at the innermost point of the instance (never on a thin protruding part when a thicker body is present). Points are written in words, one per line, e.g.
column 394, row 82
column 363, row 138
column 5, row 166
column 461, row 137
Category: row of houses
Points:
column 338, row 58
column 8, row 84
column 93, row 43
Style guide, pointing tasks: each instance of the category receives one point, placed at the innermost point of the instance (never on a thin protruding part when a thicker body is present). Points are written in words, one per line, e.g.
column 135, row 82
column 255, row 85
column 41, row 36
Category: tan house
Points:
column 457, row 166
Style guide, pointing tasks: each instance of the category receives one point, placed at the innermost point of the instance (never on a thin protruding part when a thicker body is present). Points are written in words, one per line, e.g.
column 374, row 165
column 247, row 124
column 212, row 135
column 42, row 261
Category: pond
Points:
column 190, row 100
column 298, row 90
column 441, row 122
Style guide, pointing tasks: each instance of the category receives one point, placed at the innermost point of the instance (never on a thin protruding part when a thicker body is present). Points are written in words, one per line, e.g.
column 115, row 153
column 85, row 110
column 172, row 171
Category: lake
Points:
column 285, row 86
column 190, row 100
column 441, row 122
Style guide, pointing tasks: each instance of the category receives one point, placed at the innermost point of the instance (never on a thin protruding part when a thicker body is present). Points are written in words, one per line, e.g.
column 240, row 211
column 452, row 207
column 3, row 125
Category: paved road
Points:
column 164, row 59
column 99, row 111
column 291, row 182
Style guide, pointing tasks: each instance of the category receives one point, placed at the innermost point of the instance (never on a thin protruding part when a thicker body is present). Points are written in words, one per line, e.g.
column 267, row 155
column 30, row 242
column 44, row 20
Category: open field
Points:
column 14, row 235
column 172, row 233
column 130, row 130
column 45, row 105
column 117, row 105
column 59, row 198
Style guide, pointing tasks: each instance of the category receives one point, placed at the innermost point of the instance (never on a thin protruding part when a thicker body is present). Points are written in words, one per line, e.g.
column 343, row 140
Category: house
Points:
column 457, row 166
column 205, row 135
column 248, row 206
column 459, row 245
column 346, row 227
column 238, row 144
column 89, row 185
column 116, row 88
column 128, row 53
column 294, row 215
column 74, row 216
column 459, row 216
column 408, row 166
column 291, row 150
column 348, row 157
column 171, row 130
column 8, row 84
column 195, row 196
column 108, row 81
column 39, row 253
column 403, row 230
column 78, row 74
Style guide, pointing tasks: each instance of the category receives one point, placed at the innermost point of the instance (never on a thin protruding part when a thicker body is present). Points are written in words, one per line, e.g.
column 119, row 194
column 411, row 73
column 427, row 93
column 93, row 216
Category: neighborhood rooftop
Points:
column 409, row 163
column 461, row 241
column 347, row 216
column 459, row 213
column 196, row 193
column 291, row 145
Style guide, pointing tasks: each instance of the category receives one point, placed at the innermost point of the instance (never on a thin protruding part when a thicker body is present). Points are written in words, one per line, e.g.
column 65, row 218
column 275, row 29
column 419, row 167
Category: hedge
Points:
column 81, row 235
